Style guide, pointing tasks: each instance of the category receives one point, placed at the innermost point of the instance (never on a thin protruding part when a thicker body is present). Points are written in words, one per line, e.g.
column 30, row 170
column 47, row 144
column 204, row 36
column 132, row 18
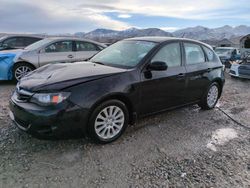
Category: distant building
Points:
column 245, row 44
column 226, row 43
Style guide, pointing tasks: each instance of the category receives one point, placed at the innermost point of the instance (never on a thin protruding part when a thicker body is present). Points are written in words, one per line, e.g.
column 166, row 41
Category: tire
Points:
column 105, row 127
column 210, row 98
column 18, row 68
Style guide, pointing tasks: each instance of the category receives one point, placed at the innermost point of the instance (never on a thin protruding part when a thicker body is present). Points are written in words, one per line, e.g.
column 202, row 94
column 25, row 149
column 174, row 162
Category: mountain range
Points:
column 198, row 33
column 107, row 35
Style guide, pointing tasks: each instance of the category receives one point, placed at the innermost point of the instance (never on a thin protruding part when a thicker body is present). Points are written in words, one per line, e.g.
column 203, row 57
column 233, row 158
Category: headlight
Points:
column 46, row 99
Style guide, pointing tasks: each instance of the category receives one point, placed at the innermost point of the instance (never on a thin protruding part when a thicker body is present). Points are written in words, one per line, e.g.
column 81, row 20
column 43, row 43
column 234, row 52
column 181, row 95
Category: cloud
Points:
column 67, row 16
column 194, row 9
column 124, row 16
column 49, row 17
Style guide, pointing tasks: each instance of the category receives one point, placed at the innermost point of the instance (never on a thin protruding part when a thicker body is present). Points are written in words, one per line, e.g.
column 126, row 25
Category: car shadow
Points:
column 7, row 82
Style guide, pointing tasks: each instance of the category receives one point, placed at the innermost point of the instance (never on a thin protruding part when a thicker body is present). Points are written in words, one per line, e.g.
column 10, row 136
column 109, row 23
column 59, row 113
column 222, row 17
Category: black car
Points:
column 128, row 80
column 17, row 41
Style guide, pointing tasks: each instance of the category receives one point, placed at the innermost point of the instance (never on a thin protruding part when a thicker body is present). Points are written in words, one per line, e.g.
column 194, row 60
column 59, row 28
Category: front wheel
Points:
column 20, row 70
column 211, row 97
column 108, row 121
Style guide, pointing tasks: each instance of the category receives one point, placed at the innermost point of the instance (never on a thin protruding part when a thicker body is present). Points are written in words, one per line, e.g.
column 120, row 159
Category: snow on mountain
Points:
column 105, row 35
column 198, row 33
column 203, row 33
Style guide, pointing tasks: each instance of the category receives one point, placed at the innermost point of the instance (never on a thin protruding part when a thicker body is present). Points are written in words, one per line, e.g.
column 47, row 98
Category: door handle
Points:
column 181, row 75
column 70, row 56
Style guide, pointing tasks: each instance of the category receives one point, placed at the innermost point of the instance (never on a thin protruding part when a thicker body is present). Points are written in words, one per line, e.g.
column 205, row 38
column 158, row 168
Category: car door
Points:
column 163, row 89
column 197, row 71
column 85, row 50
column 57, row 52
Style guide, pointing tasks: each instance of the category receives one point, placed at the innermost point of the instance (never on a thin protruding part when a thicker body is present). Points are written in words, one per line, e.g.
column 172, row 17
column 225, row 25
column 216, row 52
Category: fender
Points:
column 6, row 65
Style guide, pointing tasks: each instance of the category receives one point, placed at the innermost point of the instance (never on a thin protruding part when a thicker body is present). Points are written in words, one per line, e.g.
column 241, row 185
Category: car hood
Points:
column 17, row 51
column 61, row 76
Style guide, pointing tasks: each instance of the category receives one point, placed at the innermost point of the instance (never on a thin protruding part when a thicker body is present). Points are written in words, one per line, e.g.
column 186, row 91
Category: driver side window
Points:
column 170, row 54
column 62, row 46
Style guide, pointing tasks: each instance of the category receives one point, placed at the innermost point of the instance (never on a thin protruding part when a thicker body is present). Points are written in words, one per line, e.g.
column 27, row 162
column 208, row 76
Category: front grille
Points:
column 23, row 95
column 244, row 67
column 244, row 72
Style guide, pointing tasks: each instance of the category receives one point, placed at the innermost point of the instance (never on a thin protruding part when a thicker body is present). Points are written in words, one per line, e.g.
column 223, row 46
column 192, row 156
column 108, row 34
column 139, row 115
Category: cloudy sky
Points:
column 70, row 16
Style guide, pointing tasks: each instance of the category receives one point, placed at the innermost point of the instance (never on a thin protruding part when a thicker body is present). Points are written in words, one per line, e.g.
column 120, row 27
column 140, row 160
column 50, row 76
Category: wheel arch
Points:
column 24, row 62
column 14, row 66
column 220, row 82
column 121, row 97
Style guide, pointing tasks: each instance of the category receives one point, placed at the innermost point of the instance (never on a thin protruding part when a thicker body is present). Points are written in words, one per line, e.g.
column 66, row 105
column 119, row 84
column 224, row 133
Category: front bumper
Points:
column 240, row 76
column 236, row 71
column 44, row 122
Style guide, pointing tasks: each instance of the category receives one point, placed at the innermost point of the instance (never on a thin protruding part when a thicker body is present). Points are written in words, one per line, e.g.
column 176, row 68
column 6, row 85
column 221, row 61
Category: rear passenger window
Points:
column 170, row 54
column 28, row 41
column 194, row 54
column 209, row 53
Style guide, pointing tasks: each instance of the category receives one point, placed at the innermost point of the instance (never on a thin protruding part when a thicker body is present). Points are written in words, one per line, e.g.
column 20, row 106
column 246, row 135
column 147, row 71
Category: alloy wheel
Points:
column 212, row 96
column 22, row 71
column 109, row 122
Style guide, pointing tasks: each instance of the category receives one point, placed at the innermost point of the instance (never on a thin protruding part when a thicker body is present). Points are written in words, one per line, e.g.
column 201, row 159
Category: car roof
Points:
column 165, row 39
column 74, row 38
column 21, row 35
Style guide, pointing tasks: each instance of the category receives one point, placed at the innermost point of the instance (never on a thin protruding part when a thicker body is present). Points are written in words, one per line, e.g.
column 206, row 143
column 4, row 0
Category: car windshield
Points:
column 126, row 54
column 37, row 44
column 222, row 51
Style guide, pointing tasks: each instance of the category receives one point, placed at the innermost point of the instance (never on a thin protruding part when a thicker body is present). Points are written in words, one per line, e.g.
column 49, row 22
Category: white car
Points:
column 241, row 69
column 46, row 51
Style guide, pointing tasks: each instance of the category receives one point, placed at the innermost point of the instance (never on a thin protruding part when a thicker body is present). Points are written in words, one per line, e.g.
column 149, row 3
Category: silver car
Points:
column 53, row 50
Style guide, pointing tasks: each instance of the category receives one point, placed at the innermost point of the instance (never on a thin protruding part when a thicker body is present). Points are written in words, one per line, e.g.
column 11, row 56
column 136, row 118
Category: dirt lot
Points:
column 182, row 148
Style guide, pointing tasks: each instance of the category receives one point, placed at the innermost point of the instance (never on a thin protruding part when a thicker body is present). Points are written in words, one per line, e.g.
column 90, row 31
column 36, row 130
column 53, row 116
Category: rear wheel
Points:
column 108, row 121
column 20, row 70
column 211, row 97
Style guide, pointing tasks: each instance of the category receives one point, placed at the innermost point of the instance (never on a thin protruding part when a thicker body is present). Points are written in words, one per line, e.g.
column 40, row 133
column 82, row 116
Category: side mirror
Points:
column 158, row 66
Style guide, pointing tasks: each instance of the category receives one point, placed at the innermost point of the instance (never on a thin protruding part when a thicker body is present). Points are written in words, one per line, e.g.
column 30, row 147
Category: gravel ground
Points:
column 182, row 148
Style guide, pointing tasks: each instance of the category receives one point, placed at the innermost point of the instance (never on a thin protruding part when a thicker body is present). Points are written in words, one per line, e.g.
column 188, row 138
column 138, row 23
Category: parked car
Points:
column 128, row 80
column 17, row 41
column 50, row 50
column 228, row 54
column 242, row 68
